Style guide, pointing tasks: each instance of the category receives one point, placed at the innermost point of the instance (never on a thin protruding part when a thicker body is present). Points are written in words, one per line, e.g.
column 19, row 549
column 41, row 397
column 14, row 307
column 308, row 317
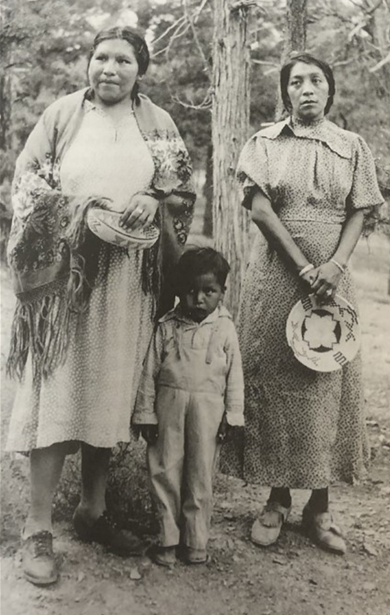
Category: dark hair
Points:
column 138, row 43
column 307, row 59
column 198, row 261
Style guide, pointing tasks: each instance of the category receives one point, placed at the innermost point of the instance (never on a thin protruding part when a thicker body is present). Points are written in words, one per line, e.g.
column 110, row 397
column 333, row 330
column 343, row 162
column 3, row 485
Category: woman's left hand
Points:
column 140, row 212
column 326, row 279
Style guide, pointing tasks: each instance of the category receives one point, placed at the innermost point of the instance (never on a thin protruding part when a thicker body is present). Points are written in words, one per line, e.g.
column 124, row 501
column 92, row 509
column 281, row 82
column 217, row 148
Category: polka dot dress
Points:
column 91, row 397
column 304, row 429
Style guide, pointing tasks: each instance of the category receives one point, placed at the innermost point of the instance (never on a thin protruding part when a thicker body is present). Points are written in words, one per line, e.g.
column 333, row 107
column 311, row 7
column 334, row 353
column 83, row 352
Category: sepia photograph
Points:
column 195, row 307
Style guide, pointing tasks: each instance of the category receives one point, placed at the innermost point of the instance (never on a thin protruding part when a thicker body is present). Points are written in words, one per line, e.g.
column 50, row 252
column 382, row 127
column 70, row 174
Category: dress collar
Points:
column 90, row 105
column 337, row 139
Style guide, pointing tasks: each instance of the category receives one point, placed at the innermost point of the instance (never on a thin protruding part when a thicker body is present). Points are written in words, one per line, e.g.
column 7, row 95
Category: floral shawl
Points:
column 46, row 245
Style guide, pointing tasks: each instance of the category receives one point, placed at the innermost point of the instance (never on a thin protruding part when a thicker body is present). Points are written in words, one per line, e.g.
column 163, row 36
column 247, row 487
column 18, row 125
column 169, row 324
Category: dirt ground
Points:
column 290, row 578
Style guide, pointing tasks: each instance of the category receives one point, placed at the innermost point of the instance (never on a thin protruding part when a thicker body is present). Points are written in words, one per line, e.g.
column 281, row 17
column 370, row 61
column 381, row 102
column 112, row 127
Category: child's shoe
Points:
column 195, row 556
column 164, row 556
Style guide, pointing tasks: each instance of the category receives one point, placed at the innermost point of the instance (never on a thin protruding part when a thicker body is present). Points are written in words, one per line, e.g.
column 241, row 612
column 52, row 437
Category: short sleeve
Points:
column 252, row 170
column 365, row 193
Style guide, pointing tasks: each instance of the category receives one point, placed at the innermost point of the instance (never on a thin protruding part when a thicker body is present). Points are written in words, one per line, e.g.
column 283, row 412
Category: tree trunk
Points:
column 295, row 38
column 208, row 195
column 296, row 17
column 5, row 106
column 230, row 122
column 380, row 36
column 379, row 30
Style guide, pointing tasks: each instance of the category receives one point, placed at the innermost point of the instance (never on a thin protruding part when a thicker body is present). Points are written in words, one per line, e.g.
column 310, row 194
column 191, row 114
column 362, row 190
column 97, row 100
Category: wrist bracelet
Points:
column 154, row 193
column 341, row 267
column 305, row 269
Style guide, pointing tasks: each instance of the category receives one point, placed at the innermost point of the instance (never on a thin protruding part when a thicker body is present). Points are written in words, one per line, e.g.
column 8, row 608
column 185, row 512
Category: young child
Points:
column 191, row 394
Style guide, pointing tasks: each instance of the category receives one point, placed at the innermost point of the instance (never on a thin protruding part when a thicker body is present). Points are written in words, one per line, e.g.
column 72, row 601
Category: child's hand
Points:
column 149, row 433
column 224, row 430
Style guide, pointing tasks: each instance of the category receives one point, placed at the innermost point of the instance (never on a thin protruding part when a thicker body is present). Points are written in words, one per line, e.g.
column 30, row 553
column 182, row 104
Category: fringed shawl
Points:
column 50, row 243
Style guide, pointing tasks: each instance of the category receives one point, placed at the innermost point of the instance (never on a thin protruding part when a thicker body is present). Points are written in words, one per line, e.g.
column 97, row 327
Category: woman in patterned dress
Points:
column 309, row 186
column 86, row 309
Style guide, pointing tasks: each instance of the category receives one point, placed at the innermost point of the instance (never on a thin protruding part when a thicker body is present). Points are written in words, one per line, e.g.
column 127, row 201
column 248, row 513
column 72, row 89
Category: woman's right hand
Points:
column 140, row 212
column 323, row 280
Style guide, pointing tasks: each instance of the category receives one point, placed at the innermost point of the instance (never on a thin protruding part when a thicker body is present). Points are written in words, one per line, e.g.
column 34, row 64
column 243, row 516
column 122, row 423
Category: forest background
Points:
column 44, row 45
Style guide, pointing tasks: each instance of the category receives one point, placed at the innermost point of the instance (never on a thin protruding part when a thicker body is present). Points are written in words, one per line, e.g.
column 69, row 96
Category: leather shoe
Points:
column 39, row 566
column 105, row 531
column 164, row 556
column 195, row 556
column 266, row 528
column 323, row 531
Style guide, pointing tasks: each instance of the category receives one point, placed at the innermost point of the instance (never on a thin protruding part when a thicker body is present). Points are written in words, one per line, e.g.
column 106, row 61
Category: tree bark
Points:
column 296, row 17
column 380, row 36
column 5, row 106
column 379, row 30
column 208, row 195
column 294, row 40
column 230, row 122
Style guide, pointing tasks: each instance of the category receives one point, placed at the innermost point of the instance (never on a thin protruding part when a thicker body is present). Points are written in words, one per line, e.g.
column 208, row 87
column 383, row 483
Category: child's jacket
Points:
column 195, row 357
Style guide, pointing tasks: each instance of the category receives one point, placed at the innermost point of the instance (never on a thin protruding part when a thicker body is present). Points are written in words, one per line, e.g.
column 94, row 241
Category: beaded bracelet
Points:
column 305, row 269
column 341, row 267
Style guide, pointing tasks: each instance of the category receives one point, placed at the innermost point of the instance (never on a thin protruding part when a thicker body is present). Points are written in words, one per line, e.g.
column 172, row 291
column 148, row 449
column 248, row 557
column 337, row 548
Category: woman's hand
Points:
column 224, row 431
column 149, row 433
column 140, row 212
column 324, row 280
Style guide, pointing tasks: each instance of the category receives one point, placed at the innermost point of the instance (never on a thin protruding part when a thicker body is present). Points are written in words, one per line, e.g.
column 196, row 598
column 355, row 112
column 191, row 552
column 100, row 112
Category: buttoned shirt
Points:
column 196, row 357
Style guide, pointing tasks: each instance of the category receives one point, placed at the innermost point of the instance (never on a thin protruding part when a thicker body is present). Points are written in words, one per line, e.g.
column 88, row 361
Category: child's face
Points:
column 202, row 297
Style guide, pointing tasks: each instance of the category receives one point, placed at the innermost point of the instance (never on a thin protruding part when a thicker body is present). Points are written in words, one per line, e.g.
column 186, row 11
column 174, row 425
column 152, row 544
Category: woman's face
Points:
column 308, row 90
column 113, row 71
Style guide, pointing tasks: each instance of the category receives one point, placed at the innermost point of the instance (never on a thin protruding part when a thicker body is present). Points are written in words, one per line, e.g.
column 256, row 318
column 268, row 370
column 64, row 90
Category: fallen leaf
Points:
column 230, row 544
column 370, row 549
column 369, row 587
column 224, row 505
column 135, row 574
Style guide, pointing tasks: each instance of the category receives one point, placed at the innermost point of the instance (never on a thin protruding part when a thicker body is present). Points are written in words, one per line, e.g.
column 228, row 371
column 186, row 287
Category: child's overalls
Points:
column 198, row 378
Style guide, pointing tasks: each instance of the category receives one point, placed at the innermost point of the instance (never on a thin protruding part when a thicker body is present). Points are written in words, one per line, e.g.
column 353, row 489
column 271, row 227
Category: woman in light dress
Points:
column 86, row 309
column 310, row 187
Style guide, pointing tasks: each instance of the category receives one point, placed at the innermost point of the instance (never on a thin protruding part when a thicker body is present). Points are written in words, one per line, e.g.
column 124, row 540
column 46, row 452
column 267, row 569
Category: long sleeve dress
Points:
column 304, row 428
column 89, row 397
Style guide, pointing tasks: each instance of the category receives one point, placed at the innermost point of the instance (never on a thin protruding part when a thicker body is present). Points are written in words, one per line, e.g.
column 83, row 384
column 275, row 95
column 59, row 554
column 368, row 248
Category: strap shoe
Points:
column 266, row 528
column 323, row 531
